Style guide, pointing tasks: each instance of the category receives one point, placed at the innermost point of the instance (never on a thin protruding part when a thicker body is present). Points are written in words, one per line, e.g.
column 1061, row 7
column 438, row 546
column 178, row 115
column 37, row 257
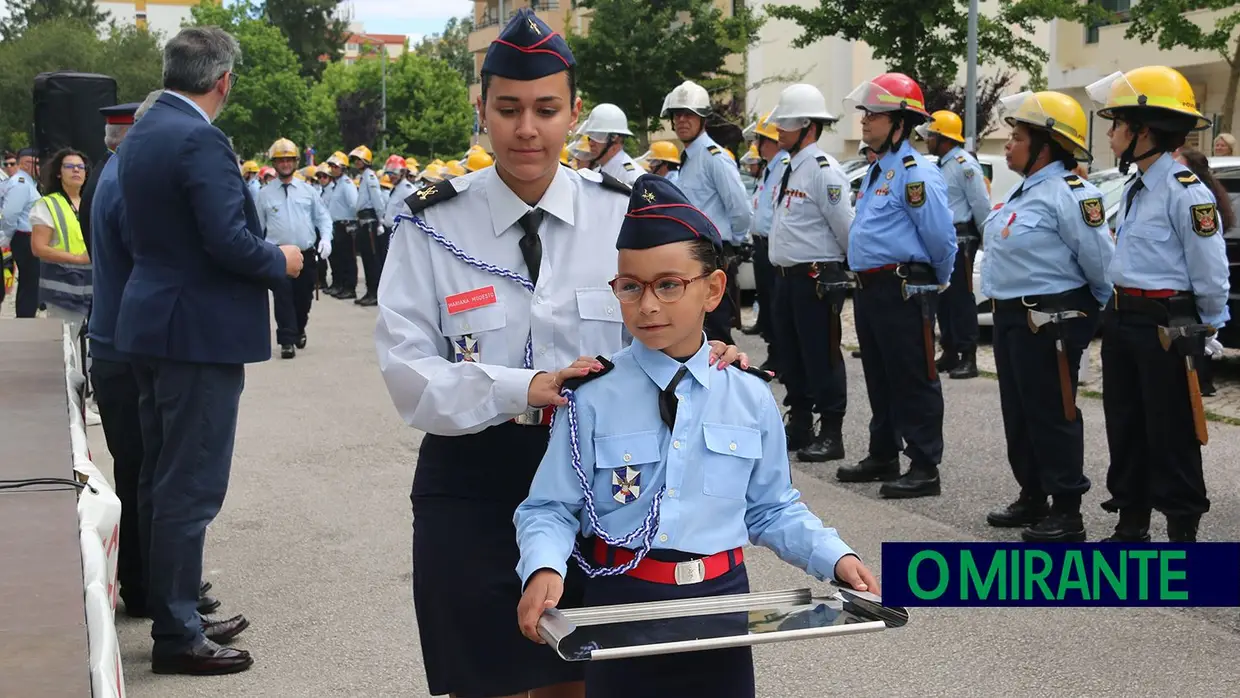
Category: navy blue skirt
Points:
column 724, row 673
column 465, row 584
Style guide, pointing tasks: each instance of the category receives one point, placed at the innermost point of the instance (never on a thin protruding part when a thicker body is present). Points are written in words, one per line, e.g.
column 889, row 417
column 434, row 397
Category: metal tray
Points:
column 689, row 625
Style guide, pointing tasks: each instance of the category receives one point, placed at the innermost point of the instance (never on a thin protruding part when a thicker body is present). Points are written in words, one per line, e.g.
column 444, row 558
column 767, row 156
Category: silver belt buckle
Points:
column 529, row 418
column 690, row 572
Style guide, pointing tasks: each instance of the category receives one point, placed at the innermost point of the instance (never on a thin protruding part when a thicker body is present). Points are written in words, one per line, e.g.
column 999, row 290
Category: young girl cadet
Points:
column 667, row 467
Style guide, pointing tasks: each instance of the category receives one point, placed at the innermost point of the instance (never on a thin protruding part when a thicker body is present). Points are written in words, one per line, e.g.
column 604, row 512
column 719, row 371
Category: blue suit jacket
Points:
column 110, row 261
column 201, row 269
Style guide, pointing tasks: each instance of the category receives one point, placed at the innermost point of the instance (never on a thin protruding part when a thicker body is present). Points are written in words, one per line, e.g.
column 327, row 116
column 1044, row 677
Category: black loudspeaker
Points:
column 66, row 112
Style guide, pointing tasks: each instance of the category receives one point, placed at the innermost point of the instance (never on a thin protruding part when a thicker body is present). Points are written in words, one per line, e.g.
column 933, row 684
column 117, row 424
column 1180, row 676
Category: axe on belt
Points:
column 822, row 288
column 1039, row 319
column 1185, row 336
column 924, row 298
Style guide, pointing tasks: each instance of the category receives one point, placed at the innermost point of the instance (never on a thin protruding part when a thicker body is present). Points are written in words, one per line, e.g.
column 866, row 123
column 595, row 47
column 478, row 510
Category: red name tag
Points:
column 469, row 300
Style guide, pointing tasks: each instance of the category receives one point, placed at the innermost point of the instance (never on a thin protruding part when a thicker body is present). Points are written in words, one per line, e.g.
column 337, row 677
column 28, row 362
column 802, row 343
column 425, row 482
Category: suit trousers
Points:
column 957, row 309
column 28, row 267
column 343, row 259
column 292, row 299
column 189, row 422
column 116, row 394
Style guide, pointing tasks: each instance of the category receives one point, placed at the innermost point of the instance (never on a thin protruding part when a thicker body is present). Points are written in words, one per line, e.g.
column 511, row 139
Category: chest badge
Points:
column 891, row 174
column 466, row 349
column 1007, row 229
column 625, row 487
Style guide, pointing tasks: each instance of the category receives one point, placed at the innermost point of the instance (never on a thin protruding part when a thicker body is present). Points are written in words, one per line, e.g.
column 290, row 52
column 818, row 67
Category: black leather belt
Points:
column 1076, row 299
column 811, row 269
column 1181, row 305
column 912, row 273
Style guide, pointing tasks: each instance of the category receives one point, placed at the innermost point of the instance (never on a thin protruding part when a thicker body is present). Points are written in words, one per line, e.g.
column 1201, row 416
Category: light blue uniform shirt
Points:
column 725, row 466
column 966, row 187
column 255, row 186
column 673, row 176
column 20, row 193
column 370, row 193
column 712, row 183
column 396, row 199
column 1171, row 238
column 768, row 189
column 342, row 199
column 1049, row 236
column 888, row 229
column 291, row 213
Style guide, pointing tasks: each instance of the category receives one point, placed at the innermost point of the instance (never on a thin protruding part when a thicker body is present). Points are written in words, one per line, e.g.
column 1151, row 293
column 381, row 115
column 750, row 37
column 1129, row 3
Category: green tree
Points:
column 1164, row 22
column 452, row 47
column 928, row 40
column 313, row 31
column 23, row 14
column 270, row 98
column 129, row 55
column 639, row 50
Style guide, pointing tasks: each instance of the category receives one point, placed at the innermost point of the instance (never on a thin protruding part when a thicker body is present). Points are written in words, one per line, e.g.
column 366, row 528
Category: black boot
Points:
column 1063, row 525
column 919, row 481
column 828, row 445
column 1027, row 510
column 1133, row 527
column 287, row 351
column 301, row 341
column 870, row 469
column 856, row 353
column 345, row 294
column 947, row 361
column 799, row 430
column 1183, row 528
column 967, row 368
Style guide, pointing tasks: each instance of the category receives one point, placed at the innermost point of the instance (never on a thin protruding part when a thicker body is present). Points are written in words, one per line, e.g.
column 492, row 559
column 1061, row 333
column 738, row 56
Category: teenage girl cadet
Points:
column 659, row 460
column 495, row 284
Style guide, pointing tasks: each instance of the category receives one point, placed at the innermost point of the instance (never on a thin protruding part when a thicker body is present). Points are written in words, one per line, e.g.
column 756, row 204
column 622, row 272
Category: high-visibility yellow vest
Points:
column 65, row 222
column 66, row 286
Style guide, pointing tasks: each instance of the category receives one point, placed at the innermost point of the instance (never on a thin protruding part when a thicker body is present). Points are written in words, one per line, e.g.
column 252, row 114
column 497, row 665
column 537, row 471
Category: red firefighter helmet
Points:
column 889, row 92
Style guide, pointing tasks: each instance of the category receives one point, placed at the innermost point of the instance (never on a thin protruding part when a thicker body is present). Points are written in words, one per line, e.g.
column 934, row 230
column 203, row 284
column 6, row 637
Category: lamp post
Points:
column 970, row 102
column 383, row 57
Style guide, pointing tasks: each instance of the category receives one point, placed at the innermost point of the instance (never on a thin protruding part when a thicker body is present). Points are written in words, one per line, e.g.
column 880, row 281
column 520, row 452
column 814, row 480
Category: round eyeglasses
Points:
column 668, row 289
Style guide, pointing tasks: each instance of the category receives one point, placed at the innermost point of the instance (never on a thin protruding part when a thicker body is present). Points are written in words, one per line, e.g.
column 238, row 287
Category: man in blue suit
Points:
column 193, row 312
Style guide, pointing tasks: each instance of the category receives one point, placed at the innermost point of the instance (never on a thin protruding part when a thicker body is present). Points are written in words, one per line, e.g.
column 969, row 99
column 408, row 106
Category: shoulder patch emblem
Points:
column 615, row 185
column 629, row 167
column 1186, row 178
column 822, row 160
column 713, row 149
column 1074, row 182
column 575, row 383
column 1205, row 219
column 1092, row 212
column 425, row 198
column 968, row 173
column 915, row 194
column 960, row 159
column 909, row 162
column 834, row 193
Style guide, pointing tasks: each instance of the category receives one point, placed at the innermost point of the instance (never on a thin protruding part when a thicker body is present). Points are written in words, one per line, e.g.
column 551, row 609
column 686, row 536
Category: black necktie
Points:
column 286, row 186
column 1132, row 194
column 783, row 183
column 874, row 170
column 531, row 244
column 1016, row 194
column 667, row 398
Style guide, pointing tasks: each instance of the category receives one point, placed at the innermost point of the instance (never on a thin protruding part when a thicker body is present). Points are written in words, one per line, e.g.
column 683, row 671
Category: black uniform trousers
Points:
column 906, row 404
column 764, row 289
column 807, row 326
column 465, row 585
column 343, row 258
column 718, row 324
column 1045, row 451
column 292, row 299
column 722, row 673
column 958, row 331
column 372, row 246
column 27, row 300
column 1155, row 455
column 116, row 395
column 189, row 422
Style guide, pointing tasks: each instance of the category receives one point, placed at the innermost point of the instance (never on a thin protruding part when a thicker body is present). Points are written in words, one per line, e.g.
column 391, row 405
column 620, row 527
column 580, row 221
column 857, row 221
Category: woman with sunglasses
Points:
column 56, row 239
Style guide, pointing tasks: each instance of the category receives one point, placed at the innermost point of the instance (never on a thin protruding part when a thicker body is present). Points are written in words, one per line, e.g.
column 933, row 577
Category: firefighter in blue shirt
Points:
column 902, row 247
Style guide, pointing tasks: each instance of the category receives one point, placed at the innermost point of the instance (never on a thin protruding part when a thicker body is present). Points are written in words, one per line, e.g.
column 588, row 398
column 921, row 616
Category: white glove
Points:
column 1214, row 347
column 325, row 249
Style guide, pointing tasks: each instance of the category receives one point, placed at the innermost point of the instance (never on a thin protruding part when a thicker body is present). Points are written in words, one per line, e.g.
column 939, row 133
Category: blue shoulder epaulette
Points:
column 615, row 185
column 1074, row 181
column 575, row 383
column 764, row 375
column 909, row 162
column 1186, row 177
column 424, row 198
column 822, row 160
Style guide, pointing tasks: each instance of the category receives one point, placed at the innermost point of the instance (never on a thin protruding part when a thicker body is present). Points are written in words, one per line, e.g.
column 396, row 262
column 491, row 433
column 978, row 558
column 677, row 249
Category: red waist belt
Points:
column 1143, row 293
column 885, row 267
column 658, row 572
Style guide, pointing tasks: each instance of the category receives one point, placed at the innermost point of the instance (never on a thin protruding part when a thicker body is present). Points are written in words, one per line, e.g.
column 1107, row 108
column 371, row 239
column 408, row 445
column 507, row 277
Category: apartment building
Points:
column 836, row 66
column 157, row 16
column 1080, row 55
column 360, row 44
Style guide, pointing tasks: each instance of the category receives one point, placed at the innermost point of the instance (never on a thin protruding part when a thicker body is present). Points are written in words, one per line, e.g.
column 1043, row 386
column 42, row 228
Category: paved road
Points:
column 313, row 546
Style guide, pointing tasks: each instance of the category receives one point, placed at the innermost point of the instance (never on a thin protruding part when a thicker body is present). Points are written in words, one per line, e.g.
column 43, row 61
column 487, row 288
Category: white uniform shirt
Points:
column 451, row 337
column 622, row 167
column 812, row 219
